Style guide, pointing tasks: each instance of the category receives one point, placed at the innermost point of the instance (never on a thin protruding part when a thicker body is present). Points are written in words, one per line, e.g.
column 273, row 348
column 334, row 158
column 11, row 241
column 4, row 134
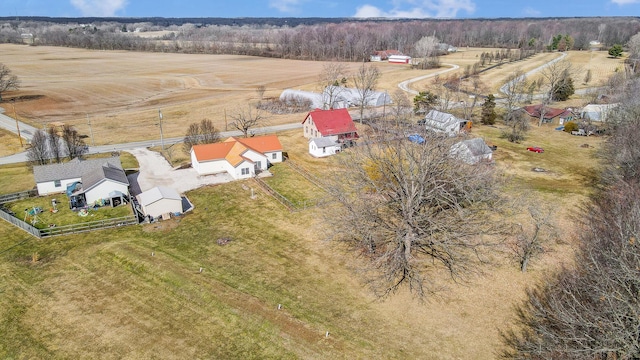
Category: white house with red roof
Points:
column 334, row 124
column 239, row 157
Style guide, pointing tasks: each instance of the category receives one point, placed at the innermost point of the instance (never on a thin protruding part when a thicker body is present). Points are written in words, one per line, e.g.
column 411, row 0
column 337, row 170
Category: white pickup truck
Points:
column 579, row 132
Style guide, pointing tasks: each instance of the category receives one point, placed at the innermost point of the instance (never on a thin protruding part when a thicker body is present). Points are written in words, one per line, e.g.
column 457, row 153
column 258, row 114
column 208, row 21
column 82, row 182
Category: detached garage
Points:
column 160, row 200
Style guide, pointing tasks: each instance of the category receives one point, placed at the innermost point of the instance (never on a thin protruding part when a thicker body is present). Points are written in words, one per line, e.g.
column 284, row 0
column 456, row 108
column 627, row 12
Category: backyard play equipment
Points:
column 31, row 215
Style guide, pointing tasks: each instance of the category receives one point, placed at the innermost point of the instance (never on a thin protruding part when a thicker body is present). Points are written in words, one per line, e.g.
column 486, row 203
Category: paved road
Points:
column 405, row 84
column 8, row 123
column 22, row 157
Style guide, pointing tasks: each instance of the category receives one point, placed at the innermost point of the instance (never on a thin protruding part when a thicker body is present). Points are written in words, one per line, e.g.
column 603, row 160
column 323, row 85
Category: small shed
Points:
column 472, row 151
column 160, row 200
column 399, row 59
column 323, row 147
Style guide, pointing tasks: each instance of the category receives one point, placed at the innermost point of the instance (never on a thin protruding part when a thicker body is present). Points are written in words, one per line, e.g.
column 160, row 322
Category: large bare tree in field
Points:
column 418, row 216
column 247, row 118
column 331, row 80
column 365, row 81
column 8, row 81
column 427, row 49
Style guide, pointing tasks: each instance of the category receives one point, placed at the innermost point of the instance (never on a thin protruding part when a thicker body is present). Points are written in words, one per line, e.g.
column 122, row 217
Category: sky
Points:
column 321, row 8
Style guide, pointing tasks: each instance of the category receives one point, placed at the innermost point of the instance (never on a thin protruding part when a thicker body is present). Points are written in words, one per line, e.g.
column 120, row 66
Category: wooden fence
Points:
column 89, row 226
column 18, row 196
column 58, row 230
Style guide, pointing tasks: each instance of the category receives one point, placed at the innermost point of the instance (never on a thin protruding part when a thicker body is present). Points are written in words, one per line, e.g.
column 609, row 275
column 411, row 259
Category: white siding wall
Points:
column 211, row 167
column 255, row 157
column 237, row 172
column 163, row 206
column 103, row 189
column 318, row 152
column 50, row 188
column 277, row 159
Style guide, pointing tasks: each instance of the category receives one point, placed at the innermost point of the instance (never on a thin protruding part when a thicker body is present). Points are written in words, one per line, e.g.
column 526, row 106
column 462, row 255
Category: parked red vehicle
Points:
column 536, row 149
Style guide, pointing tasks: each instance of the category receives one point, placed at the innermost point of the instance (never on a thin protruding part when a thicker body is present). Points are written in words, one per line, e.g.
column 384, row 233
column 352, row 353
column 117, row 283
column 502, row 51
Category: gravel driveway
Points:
column 155, row 171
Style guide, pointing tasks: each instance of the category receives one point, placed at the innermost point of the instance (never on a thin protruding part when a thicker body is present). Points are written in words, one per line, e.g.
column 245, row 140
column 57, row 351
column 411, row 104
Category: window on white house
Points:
column 324, row 150
column 57, row 183
column 274, row 156
column 258, row 164
column 245, row 171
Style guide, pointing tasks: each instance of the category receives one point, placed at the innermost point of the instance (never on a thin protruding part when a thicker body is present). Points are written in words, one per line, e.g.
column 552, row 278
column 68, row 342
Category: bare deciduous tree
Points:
column 38, row 153
column 330, row 80
column 531, row 235
column 74, row 145
column 553, row 75
column 417, row 214
column 427, row 49
column 55, row 147
column 200, row 133
column 8, row 81
column 246, row 119
column 365, row 81
column 514, row 91
column 260, row 91
column 401, row 108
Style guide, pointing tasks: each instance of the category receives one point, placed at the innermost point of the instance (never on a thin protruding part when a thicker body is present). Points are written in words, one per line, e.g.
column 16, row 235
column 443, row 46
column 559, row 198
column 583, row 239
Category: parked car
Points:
column 535, row 149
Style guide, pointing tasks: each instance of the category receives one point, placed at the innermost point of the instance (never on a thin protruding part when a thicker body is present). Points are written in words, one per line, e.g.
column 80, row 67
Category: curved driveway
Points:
column 155, row 171
column 405, row 84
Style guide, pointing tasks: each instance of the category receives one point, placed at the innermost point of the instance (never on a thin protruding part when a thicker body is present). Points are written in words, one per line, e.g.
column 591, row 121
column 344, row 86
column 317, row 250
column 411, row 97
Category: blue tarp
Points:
column 72, row 187
column 416, row 139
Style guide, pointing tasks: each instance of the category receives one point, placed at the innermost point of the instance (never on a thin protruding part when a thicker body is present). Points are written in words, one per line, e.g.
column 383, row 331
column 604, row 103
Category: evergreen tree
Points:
column 616, row 51
column 489, row 111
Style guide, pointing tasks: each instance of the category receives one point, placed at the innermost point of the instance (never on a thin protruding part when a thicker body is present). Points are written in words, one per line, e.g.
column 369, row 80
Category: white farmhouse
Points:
column 472, row 151
column 239, row 157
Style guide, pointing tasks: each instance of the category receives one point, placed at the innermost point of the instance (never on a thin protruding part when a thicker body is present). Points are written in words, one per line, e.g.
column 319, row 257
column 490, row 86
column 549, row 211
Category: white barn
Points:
column 160, row 200
column 323, row 147
column 399, row 59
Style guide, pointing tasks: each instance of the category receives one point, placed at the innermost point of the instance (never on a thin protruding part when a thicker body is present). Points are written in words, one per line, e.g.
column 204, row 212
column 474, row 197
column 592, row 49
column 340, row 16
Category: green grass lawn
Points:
column 64, row 215
column 293, row 186
column 137, row 291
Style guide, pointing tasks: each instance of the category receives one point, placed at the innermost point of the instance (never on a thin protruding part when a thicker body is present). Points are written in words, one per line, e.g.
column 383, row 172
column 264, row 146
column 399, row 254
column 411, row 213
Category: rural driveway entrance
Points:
column 155, row 171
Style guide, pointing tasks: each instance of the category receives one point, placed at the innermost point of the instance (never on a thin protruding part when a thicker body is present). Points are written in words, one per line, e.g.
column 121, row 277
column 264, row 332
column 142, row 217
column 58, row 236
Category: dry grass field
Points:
column 103, row 294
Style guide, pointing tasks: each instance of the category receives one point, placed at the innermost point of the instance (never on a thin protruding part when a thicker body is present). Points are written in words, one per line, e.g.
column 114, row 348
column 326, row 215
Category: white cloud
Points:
column 99, row 7
column 625, row 2
column 285, row 6
column 529, row 11
column 418, row 9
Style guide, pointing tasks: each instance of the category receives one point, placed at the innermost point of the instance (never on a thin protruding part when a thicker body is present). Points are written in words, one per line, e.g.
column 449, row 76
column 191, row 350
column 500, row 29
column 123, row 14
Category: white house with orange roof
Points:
column 239, row 157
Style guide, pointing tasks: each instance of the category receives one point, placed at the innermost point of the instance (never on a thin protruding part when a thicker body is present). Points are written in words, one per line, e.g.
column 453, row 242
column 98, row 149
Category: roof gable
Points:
column 157, row 193
column 73, row 169
column 93, row 178
column 233, row 149
column 332, row 122
column 549, row 112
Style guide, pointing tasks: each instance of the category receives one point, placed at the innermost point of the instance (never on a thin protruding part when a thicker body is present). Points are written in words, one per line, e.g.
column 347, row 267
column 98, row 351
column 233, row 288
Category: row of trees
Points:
column 340, row 40
column 590, row 310
column 53, row 145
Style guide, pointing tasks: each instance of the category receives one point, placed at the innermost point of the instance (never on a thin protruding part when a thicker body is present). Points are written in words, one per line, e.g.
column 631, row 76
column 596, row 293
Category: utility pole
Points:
column 15, row 115
column 161, row 135
column 90, row 130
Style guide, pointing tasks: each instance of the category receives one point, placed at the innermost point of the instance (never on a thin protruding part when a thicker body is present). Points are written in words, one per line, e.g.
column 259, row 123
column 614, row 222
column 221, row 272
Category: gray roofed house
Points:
column 73, row 169
column 88, row 180
column 472, row 151
column 442, row 122
column 323, row 146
